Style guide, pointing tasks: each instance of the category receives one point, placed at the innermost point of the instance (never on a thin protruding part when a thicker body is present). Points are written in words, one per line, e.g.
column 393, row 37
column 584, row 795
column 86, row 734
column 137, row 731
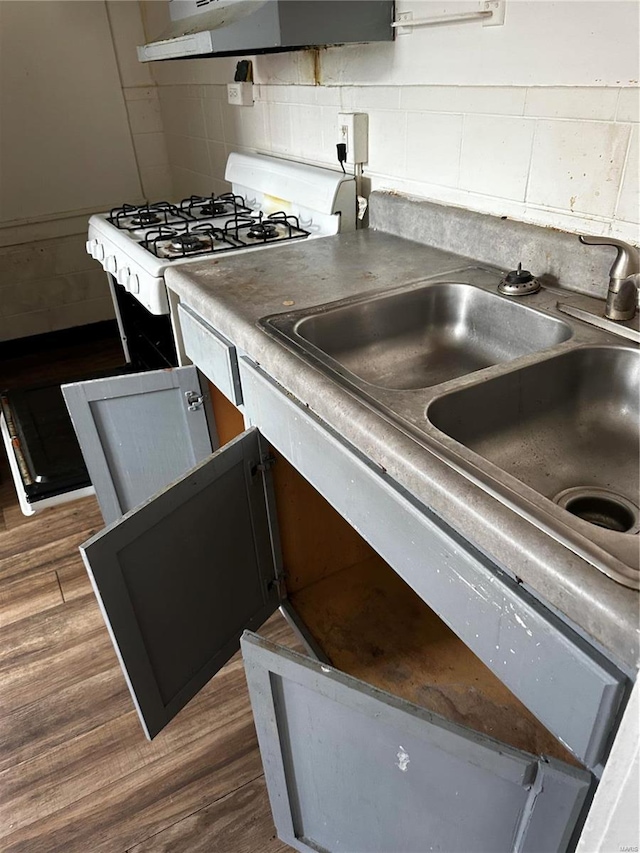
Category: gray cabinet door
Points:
column 180, row 578
column 350, row 768
column 139, row 432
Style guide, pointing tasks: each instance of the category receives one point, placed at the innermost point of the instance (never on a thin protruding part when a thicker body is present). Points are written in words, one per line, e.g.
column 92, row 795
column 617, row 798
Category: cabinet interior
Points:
column 373, row 626
column 229, row 421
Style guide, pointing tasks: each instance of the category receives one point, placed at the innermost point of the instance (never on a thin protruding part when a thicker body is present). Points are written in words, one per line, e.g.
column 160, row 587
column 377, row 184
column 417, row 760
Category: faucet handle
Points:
column 627, row 260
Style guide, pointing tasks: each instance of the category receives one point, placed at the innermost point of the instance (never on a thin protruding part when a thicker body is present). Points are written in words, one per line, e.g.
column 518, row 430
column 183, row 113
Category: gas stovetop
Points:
column 205, row 238
column 272, row 202
column 201, row 225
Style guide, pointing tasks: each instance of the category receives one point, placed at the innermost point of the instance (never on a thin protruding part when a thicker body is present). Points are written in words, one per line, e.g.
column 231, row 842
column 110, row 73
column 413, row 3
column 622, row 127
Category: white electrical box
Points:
column 353, row 131
column 240, row 94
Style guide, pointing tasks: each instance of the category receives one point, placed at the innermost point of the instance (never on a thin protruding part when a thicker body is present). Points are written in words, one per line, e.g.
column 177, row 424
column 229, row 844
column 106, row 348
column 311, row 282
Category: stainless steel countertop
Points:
column 233, row 292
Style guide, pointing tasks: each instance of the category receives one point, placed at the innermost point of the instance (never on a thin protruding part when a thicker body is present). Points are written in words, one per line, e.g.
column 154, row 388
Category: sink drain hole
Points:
column 602, row 511
column 602, row 508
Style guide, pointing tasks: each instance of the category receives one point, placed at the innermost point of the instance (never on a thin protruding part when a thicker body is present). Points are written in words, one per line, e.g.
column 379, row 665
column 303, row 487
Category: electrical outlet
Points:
column 240, row 94
column 353, row 131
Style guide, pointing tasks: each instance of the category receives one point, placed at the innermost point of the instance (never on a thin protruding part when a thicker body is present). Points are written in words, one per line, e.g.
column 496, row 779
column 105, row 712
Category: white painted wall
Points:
column 80, row 131
column 141, row 96
column 65, row 139
column 543, row 43
column 536, row 120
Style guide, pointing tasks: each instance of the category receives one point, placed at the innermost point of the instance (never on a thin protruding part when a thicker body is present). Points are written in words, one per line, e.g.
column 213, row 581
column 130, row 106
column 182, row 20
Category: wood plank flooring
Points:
column 76, row 772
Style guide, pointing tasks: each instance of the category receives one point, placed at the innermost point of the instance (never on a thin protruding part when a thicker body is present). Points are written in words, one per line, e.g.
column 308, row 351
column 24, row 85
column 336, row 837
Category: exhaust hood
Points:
column 237, row 27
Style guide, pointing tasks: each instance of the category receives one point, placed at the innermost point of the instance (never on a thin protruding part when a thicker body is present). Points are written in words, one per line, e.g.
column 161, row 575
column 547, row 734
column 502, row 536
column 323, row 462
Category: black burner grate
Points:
column 209, row 207
column 130, row 217
column 172, row 232
column 251, row 231
column 188, row 241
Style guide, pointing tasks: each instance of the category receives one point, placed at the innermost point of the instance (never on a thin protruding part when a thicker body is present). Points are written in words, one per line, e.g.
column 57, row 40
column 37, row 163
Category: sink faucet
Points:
column 624, row 278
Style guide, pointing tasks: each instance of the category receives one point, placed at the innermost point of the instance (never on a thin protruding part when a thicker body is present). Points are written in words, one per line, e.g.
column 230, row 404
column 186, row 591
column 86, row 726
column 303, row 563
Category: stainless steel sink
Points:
column 538, row 409
column 424, row 335
column 567, row 427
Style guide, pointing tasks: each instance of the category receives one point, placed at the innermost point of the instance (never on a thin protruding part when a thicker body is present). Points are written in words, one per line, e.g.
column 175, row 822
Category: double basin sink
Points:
column 538, row 410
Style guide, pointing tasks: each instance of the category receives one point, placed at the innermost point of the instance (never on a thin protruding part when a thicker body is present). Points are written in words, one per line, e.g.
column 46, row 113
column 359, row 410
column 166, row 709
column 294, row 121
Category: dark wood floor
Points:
column 60, row 356
column 76, row 773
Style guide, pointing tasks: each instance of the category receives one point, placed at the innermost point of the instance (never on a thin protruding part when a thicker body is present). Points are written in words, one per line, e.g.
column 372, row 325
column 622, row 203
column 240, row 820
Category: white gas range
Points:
column 271, row 201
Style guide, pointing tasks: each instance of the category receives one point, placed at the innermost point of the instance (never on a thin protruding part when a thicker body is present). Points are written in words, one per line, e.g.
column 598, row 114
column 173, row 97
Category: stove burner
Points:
column 275, row 227
column 130, row 217
column 209, row 207
column 145, row 218
column 262, row 231
column 187, row 243
column 188, row 240
column 213, row 209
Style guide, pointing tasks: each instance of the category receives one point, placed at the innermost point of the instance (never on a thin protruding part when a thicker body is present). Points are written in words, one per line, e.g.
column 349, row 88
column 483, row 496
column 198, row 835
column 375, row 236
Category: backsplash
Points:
column 566, row 158
column 555, row 257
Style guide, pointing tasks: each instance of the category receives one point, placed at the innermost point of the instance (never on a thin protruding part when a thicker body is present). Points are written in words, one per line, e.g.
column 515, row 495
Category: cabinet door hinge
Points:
column 194, row 400
column 279, row 584
column 266, row 463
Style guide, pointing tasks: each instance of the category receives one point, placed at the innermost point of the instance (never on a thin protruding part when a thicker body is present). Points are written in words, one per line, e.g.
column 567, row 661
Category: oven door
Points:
column 46, row 468
column 147, row 339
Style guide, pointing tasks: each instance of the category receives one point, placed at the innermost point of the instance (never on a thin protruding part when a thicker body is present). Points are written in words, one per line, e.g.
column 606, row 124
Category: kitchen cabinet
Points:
column 183, row 576
column 406, row 740
column 575, row 691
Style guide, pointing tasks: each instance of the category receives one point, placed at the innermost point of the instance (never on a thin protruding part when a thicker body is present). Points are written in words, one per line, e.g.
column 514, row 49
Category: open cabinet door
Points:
column 352, row 768
column 139, row 432
column 179, row 578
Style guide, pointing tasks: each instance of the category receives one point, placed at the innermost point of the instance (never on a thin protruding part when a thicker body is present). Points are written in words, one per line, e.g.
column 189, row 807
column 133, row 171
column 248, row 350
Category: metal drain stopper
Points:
column 519, row 283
